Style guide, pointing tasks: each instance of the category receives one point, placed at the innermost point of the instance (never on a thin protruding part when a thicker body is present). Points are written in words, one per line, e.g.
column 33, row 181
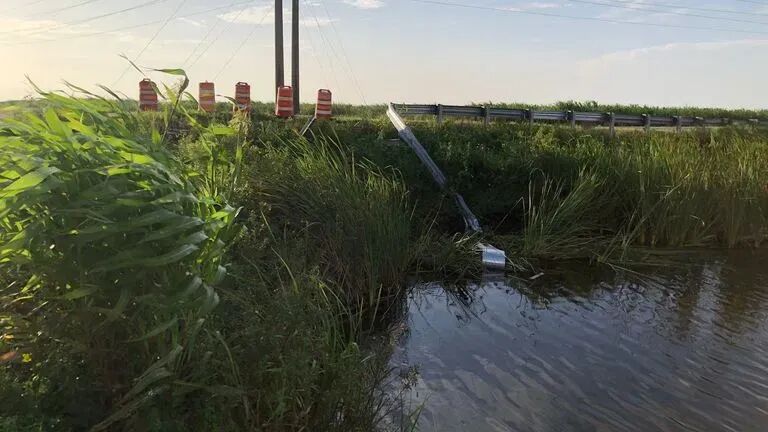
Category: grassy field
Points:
column 177, row 271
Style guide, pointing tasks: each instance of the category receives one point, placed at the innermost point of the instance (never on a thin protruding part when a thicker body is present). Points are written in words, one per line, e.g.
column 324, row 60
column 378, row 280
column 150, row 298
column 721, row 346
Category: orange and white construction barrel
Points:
column 242, row 97
column 207, row 97
column 324, row 102
column 284, row 102
column 147, row 95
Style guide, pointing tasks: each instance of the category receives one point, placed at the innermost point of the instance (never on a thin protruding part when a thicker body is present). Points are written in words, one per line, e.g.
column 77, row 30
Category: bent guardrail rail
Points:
column 492, row 258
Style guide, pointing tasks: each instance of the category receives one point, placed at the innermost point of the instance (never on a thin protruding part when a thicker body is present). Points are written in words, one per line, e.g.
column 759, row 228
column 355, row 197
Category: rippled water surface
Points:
column 686, row 351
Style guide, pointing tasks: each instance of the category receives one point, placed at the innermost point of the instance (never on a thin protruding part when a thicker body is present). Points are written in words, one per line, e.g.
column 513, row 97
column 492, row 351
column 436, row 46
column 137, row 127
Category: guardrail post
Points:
column 439, row 114
column 647, row 123
column 572, row 118
column 487, row 111
column 529, row 116
column 612, row 124
column 678, row 124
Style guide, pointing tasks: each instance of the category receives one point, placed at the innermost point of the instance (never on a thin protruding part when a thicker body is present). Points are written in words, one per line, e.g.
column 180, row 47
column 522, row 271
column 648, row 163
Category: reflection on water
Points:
column 599, row 353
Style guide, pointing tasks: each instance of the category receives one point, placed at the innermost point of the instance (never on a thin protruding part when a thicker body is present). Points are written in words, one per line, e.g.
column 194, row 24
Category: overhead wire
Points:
column 678, row 6
column 130, row 27
column 344, row 53
column 221, row 33
column 242, row 44
column 13, row 8
column 583, row 18
column 642, row 8
column 753, row 2
column 44, row 29
column 208, row 33
column 327, row 44
column 152, row 39
column 66, row 8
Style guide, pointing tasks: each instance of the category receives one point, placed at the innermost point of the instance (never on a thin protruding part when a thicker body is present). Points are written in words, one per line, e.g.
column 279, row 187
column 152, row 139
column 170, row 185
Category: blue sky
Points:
column 614, row 51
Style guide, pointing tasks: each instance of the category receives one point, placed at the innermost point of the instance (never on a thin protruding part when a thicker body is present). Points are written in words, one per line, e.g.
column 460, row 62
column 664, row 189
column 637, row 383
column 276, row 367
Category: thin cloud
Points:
column 365, row 4
column 191, row 22
column 605, row 60
column 263, row 15
column 534, row 6
column 23, row 30
column 629, row 12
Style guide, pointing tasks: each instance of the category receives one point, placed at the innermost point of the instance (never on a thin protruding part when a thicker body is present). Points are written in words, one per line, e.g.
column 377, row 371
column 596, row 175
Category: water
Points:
column 684, row 352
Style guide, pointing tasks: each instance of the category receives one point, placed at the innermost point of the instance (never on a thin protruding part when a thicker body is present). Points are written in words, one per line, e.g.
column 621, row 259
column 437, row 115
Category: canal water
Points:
column 681, row 349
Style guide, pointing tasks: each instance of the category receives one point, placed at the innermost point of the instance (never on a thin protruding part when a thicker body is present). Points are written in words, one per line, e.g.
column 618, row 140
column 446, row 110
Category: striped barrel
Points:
column 207, row 97
column 147, row 95
column 242, row 97
column 323, row 107
column 284, row 102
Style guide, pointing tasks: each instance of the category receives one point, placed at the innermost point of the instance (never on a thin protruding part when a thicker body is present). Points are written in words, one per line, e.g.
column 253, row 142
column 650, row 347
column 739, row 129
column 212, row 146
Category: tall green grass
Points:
column 700, row 188
column 118, row 256
column 133, row 299
column 354, row 216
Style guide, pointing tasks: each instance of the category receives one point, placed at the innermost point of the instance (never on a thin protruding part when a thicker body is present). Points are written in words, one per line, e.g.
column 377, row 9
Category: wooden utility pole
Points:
column 295, row 57
column 279, row 57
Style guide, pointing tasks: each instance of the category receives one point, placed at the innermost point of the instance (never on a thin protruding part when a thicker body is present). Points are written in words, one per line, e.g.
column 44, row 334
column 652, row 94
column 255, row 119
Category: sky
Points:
column 654, row 52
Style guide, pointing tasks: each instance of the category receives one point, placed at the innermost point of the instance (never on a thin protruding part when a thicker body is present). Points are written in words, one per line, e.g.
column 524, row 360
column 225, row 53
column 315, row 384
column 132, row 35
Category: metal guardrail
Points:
column 492, row 258
column 612, row 120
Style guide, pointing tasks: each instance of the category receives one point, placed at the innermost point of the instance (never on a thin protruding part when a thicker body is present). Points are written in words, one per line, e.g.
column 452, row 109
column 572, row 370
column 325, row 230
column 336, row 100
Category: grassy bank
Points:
column 549, row 191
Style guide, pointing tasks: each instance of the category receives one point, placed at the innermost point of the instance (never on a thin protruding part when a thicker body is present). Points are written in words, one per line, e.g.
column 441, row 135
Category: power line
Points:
column 753, row 2
column 315, row 53
column 66, row 8
column 130, row 27
column 644, row 9
column 667, row 5
column 224, row 30
column 344, row 52
column 581, row 18
column 327, row 43
column 208, row 33
column 242, row 44
column 20, row 6
column 89, row 19
column 152, row 39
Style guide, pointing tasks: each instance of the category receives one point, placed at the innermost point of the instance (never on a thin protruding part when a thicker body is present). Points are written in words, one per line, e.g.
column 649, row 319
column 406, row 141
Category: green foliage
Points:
column 355, row 216
column 120, row 256
column 528, row 184
column 120, row 309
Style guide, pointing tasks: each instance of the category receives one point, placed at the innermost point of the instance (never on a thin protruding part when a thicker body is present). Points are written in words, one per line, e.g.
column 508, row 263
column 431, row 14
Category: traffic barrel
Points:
column 324, row 102
column 147, row 95
column 207, row 98
column 242, row 97
column 284, row 102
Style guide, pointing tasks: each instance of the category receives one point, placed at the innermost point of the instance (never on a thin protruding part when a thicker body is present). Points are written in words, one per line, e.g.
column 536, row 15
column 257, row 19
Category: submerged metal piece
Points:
column 493, row 259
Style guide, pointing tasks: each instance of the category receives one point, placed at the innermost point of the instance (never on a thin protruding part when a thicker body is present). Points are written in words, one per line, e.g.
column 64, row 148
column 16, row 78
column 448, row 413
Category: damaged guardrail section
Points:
column 492, row 258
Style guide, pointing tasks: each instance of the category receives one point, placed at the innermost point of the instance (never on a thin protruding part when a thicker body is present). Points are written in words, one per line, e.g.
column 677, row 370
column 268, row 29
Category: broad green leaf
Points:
column 79, row 293
column 222, row 130
column 157, row 330
column 55, row 124
column 28, row 181
column 176, row 255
